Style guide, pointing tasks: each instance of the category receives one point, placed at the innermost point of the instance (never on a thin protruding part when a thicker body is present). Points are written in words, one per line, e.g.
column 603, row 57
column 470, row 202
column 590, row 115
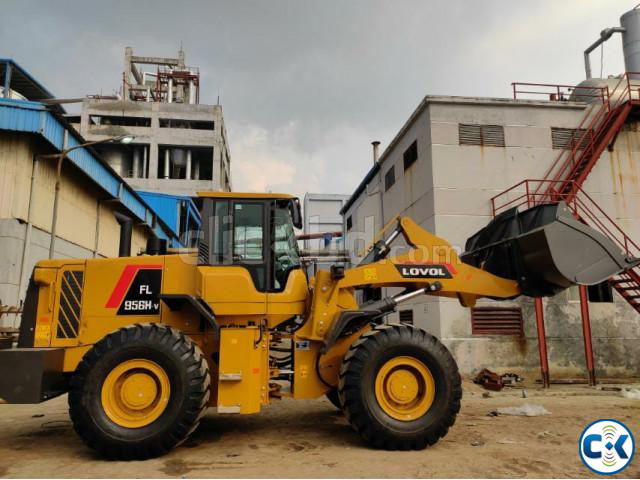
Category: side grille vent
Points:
column 70, row 303
column 203, row 253
column 482, row 135
column 497, row 321
column 568, row 138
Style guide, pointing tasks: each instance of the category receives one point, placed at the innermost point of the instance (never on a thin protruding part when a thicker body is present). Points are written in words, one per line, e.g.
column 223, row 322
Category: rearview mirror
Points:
column 296, row 213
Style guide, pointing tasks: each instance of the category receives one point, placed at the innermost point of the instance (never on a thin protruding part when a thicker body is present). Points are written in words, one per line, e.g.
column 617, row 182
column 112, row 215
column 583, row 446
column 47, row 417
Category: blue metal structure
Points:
column 177, row 211
column 34, row 117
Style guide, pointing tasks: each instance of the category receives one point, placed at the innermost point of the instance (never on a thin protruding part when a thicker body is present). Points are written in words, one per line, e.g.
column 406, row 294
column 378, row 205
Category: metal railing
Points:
column 556, row 92
column 595, row 121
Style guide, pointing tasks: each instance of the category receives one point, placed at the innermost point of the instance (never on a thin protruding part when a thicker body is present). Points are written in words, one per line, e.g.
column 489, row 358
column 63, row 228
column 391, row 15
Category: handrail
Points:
column 559, row 91
column 586, row 143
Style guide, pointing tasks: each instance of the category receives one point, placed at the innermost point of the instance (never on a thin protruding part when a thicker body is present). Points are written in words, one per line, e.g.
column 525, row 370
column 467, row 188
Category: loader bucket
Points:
column 545, row 249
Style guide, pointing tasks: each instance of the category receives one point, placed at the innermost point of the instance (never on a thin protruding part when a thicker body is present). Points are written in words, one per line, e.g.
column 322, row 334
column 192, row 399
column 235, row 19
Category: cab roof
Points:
column 245, row 195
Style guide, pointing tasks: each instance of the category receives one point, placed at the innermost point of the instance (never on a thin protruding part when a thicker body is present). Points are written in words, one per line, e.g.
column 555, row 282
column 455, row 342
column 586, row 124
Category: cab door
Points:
column 233, row 257
column 289, row 290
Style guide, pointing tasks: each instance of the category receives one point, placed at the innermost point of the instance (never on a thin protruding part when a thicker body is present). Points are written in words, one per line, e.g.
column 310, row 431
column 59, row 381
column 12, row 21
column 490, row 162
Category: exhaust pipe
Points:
column 126, row 228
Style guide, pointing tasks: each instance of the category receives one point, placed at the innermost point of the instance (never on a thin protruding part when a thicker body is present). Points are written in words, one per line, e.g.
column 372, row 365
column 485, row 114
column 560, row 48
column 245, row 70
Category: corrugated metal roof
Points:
column 19, row 80
column 33, row 117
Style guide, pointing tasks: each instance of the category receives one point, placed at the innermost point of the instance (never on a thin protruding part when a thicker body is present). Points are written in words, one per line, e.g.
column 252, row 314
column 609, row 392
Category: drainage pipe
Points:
column 26, row 250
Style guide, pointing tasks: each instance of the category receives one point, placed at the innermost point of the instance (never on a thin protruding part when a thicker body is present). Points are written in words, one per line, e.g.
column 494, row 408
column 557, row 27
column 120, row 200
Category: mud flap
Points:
column 545, row 249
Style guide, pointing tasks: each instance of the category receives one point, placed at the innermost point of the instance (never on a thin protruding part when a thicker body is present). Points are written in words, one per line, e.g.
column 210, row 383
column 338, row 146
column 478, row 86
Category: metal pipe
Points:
column 192, row 92
column 586, row 333
column 145, row 161
column 376, row 155
column 188, row 168
column 27, row 235
column 170, row 91
column 126, row 229
column 166, row 164
column 604, row 36
column 403, row 297
column 542, row 342
column 56, row 195
column 136, row 162
column 6, row 92
column 97, row 239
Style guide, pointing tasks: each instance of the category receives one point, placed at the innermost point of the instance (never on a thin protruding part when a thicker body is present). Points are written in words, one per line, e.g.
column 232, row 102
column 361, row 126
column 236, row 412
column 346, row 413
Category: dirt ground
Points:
column 312, row 439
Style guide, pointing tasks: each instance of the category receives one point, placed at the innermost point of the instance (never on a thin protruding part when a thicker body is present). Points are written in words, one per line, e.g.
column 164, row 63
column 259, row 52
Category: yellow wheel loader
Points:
column 144, row 345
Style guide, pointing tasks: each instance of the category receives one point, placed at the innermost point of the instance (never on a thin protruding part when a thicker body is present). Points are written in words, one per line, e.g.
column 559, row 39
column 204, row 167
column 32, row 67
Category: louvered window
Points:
column 497, row 321
column 568, row 138
column 406, row 316
column 484, row 135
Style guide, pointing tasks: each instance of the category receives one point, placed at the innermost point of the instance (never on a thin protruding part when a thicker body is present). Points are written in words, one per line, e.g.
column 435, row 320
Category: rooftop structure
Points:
column 180, row 144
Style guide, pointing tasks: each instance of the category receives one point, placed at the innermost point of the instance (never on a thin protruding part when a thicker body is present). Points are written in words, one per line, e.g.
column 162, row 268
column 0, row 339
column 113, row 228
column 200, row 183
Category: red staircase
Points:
column 563, row 181
column 600, row 126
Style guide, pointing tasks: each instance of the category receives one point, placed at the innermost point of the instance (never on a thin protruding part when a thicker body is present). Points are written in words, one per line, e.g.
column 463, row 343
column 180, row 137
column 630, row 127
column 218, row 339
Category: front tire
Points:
column 139, row 392
column 334, row 397
column 400, row 388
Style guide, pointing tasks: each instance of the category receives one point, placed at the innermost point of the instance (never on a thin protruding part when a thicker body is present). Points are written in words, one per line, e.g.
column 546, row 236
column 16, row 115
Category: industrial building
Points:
column 93, row 212
column 180, row 144
column 459, row 161
column 322, row 239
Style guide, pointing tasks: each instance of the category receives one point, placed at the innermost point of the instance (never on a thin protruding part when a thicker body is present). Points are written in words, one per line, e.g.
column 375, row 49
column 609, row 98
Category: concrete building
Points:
column 442, row 168
column 94, row 202
column 180, row 144
column 322, row 216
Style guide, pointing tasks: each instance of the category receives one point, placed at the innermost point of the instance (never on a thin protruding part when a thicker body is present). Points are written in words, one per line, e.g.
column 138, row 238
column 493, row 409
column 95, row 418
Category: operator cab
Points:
column 252, row 230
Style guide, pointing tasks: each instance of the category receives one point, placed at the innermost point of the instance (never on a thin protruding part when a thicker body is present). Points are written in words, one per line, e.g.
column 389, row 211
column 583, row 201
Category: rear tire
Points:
column 139, row 392
column 400, row 388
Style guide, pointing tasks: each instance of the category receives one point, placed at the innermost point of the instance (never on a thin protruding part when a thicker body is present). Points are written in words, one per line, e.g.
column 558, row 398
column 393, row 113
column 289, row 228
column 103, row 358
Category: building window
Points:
column 389, row 178
column 568, row 138
column 410, row 155
column 497, row 321
column 104, row 120
column 482, row 135
column 600, row 293
column 406, row 317
column 188, row 124
column 349, row 222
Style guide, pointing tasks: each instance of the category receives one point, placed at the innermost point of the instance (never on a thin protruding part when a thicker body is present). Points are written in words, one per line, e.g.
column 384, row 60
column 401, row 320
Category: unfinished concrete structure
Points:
column 442, row 169
column 180, row 145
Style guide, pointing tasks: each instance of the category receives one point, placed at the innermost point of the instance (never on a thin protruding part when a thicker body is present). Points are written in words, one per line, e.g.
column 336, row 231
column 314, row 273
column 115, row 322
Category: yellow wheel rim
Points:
column 405, row 388
column 135, row 393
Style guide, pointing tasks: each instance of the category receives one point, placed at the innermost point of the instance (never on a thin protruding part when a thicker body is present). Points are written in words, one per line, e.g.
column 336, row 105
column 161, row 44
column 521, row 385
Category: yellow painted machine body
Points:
column 234, row 322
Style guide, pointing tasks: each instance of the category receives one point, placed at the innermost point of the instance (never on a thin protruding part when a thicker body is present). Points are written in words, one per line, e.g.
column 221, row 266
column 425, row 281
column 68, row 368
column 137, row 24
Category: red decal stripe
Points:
column 128, row 274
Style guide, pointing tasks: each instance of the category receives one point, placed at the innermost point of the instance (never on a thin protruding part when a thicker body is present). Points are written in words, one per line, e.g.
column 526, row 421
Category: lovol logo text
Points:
column 424, row 270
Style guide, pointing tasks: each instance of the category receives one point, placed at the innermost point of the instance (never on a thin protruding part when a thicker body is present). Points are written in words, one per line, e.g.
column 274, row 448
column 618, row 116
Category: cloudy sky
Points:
column 306, row 86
